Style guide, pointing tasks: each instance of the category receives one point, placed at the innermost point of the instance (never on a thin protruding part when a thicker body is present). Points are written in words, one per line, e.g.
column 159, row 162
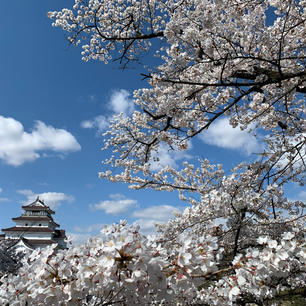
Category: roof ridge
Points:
column 38, row 200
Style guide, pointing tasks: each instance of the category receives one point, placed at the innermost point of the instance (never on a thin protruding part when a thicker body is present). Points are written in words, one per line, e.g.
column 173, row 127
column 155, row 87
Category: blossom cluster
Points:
column 240, row 59
column 240, row 240
column 122, row 267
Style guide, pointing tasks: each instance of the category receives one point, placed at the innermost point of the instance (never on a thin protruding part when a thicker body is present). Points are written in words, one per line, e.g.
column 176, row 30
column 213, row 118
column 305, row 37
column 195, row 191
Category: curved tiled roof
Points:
column 35, row 218
column 38, row 205
column 27, row 229
column 38, row 241
column 60, row 234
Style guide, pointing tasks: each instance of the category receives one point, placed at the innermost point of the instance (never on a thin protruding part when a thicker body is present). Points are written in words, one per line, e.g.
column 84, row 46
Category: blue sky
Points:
column 53, row 107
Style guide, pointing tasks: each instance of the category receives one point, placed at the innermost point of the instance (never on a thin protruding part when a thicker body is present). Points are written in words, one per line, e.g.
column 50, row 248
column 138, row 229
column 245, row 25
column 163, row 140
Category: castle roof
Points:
column 28, row 229
column 32, row 242
column 35, row 218
column 59, row 234
column 38, row 205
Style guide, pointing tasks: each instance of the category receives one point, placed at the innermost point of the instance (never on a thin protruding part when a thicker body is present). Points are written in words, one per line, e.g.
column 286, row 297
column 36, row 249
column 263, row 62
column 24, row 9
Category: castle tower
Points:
column 35, row 228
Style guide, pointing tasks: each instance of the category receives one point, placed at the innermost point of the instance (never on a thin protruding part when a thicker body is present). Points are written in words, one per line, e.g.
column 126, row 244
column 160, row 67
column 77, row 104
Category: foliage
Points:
column 10, row 261
column 241, row 241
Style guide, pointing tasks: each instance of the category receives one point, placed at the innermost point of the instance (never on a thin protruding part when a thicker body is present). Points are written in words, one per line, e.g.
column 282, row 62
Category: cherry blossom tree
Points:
column 241, row 241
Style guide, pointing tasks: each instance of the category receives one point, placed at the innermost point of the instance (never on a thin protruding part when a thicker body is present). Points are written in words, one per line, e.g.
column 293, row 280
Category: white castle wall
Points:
column 16, row 235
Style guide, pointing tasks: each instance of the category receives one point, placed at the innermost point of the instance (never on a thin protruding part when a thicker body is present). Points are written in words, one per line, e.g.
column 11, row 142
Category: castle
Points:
column 35, row 228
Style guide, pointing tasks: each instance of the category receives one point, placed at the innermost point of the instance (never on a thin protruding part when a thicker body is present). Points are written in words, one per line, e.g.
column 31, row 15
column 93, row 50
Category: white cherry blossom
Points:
column 241, row 240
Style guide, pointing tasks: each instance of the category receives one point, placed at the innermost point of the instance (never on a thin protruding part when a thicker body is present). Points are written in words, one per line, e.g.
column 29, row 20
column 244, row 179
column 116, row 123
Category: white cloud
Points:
column 162, row 158
column 117, row 205
column 148, row 217
column 51, row 199
column 159, row 212
column 147, row 226
column 3, row 199
column 119, row 103
column 78, row 239
column 18, row 146
column 99, row 122
column 91, row 228
column 222, row 134
column 300, row 159
column 301, row 196
column 165, row 157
